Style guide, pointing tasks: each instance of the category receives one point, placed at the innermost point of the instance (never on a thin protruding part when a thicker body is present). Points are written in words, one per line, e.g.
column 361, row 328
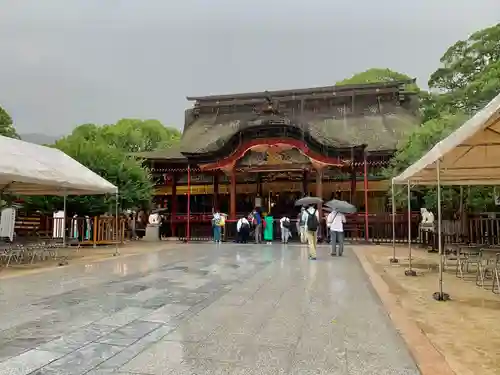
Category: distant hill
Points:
column 41, row 139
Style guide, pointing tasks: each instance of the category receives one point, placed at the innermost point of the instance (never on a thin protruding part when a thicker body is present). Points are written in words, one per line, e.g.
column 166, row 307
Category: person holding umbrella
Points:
column 335, row 222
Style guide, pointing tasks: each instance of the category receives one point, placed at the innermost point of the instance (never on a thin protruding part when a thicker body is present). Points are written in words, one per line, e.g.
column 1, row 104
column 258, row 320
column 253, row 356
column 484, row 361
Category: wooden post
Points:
column 367, row 237
column 319, row 194
column 232, row 208
column 95, row 230
column 305, row 176
column 352, row 195
column 188, row 225
column 215, row 202
column 173, row 211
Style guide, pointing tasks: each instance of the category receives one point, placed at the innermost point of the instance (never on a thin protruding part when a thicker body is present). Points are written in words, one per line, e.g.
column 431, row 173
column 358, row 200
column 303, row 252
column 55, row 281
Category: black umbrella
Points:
column 306, row 201
column 341, row 206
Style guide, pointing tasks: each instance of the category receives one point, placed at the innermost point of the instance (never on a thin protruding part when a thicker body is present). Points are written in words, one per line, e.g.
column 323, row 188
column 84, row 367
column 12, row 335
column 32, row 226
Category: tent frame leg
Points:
column 117, row 251
column 393, row 260
column 410, row 271
column 440, row 295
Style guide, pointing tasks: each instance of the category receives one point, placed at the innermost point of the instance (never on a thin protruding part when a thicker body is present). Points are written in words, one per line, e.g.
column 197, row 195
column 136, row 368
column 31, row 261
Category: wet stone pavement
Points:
column 200, row 309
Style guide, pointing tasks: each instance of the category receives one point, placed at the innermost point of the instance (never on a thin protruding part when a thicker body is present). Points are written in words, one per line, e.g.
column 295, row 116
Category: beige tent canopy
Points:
column 30, row 169
column 468, row 156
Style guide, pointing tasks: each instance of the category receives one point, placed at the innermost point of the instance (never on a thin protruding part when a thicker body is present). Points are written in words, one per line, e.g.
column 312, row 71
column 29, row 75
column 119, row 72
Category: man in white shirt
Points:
column 285, row 229
column 243, row 229
column 310, row 217
column 335, row 222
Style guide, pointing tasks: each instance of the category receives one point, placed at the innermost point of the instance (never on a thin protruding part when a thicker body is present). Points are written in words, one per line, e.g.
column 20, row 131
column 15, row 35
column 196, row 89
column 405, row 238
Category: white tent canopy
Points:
column 468, row 156
column 30, row 169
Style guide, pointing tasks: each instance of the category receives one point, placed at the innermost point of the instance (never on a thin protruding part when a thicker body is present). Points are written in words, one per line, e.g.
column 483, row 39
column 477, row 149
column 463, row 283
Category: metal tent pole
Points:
column 64, row 220
column 393, row 203
column 117, row 252
column 409, row 271
column 440, row 295
column 188, row 225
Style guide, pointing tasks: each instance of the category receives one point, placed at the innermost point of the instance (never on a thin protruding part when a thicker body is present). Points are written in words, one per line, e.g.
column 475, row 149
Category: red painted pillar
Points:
column 354, row 179
column 232, row 209
column 367, row 237
column 319, row 194
column 215, row 202
column 188, row 225
column 173, row 213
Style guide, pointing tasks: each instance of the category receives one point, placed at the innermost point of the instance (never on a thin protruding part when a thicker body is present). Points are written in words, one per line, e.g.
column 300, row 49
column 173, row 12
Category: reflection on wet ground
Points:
column 201, row 309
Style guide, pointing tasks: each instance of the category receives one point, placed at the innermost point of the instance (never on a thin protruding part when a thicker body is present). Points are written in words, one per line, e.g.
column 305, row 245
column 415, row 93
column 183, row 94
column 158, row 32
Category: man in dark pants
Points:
column 258, row 226
column 243, row 228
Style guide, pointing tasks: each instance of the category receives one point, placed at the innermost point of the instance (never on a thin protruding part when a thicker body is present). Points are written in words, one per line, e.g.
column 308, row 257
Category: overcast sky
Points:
column 68, row 62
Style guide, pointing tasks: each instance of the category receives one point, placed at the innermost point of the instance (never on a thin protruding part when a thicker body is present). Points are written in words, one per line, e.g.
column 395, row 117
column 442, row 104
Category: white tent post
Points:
column 409, row 271
column 117, row 252
column 440, row 295
column 393, row 203
column 64, row 220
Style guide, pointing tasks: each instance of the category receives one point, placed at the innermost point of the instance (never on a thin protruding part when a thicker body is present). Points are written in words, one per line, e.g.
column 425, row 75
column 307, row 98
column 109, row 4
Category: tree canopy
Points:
column 6, row 125
column 470, row 73
column 106, row 151
column 129, row 135
column 467, row 80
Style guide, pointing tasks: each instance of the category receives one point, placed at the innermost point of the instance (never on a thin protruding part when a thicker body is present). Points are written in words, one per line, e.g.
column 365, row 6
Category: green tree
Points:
column 6, row 125
column 470, row 74
column 128, row 174
column 421, row 140
column 129, row 135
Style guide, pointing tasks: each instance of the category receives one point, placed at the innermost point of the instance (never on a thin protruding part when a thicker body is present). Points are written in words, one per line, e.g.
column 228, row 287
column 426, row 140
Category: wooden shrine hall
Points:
column 269, row 148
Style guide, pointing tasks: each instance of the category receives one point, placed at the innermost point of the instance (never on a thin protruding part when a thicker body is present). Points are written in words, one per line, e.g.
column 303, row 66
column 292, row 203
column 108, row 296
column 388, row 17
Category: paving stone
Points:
column 166, row 313
column 124, row 316
column 76, row 339
column 27, row 362
column 80, row 361
column 128, row 334
column 204, row 310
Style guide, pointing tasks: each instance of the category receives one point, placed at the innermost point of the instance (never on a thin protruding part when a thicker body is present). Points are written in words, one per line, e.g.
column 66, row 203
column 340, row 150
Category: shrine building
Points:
column 269, row 148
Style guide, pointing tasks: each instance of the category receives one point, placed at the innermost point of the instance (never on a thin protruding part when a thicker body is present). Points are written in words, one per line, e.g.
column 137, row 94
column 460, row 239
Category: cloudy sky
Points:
column 67, row 62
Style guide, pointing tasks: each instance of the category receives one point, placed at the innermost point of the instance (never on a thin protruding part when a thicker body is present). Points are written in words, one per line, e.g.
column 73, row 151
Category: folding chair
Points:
column 484, row 269
column 495, row 288
column 467, row 257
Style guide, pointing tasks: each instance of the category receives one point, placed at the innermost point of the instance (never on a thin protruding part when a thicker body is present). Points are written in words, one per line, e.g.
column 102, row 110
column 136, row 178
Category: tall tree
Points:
column 131, row 178
column 470, row 74
column 6, row 125
column 130, row 135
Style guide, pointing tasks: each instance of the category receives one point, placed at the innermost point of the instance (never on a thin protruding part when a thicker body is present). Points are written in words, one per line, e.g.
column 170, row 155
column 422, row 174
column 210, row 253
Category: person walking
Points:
column 311, row 220
column 257, row 222
column 268, row 229
column 335, row 221
column 285, row 229
column 217, row 223
column 301, row 226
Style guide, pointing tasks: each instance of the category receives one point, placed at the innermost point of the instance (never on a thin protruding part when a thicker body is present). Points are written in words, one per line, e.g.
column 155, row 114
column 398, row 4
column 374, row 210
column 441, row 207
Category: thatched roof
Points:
column 173, row 153
column 376, row 115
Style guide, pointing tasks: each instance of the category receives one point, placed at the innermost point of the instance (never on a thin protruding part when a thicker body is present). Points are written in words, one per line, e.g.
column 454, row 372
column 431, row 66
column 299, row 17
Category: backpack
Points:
column 217, row 221
column 312, row 221
column 286, row 223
